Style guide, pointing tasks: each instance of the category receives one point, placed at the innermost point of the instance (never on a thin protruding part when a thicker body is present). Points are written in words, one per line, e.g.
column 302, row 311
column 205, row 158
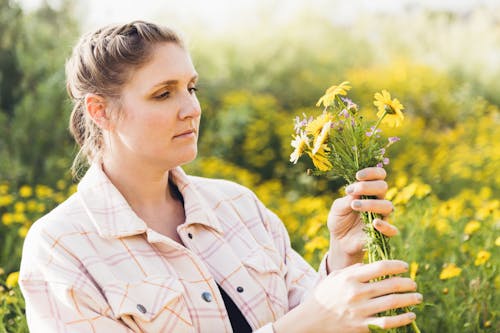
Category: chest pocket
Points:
column 154, row 304
column 270, row 277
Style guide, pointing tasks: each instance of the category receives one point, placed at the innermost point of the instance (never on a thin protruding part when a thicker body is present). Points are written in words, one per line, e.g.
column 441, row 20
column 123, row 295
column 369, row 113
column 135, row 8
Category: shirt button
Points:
column 190, row 235
column 207, row 296
column 141, row 308
column 240, row 289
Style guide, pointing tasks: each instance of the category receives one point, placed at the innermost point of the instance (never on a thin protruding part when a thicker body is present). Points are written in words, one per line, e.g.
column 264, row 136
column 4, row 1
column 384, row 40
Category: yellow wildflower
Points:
column 423, row 190
column 19, row 207
column 6, row 200
column 317, row 243
column 442, row 226
column 4, row 189
column 482, row 258
column 329, row 97
column 7, row 218
column 413, row 270
column 25, row 191
column 472, row 227
column 319, row 160
column 12, row 279
column 300, row 143
column 450, row 271
column 43, row 191
column 2, row 271
column 314, row 127
column 497, row 241
column 23, row 231
column 389, row 109
column 322, row 136
column 61, row 184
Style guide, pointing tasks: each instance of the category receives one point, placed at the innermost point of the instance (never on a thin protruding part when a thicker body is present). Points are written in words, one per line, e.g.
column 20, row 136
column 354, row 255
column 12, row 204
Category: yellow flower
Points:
column 450, row 271
column 7, row 218
column 23, row 231
column 6, row 200
column 442, row 226
column 320, row 160
column 472, row 227
column 497, row 241
column 25, row 191
column 316, row 126
column 321, row 138
column 329, row 97
column 2, row 271
column 19, row 207
column 389, row 109
column 300, row 143
column 12, row 279
column 43, row 191
column 4, row 189
column 413, row 270
column 482, row 258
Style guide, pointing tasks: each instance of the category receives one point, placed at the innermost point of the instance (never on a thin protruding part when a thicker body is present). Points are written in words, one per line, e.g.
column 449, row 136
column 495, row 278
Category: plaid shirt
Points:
column 92, row 265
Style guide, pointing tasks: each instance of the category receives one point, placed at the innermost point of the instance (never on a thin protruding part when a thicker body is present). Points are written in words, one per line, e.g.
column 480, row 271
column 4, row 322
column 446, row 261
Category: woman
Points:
column 142, row 247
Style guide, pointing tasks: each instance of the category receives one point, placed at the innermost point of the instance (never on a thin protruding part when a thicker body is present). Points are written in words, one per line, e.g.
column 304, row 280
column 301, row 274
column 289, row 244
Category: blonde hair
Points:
column 101, row 63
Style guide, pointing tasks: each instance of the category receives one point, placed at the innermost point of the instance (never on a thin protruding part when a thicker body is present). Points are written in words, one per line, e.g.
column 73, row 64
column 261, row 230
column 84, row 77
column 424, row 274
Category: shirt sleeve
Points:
column 301, row 278
column 59, row 296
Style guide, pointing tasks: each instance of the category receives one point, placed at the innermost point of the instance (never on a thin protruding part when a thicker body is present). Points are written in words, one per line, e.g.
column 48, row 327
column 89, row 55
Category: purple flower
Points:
column 380, row 165
column 385, row 161
column 373, row 131
column 393, row 139
column 344, row 113
column 350, row 104
column 382, row 151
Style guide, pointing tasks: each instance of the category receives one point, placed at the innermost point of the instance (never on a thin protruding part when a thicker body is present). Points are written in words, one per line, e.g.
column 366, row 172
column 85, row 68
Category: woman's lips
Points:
column 186, row 134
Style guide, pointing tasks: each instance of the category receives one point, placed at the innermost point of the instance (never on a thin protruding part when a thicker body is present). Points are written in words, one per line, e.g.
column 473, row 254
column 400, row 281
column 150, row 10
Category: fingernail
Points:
column 356, row 204
column 349, row 189
column 420, row 298
column 361, row 174
column 411, row 315
column 377, row 223
column 406, row 266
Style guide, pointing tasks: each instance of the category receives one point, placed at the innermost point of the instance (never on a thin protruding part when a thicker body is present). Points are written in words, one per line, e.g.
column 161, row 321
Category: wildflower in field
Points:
column 12, row 279
column 442, row 226
column 389, row 109
column 497, row 241
column 413, row 270
column 6, row 200
column 300, row 143
column 4, row 189
column 23, row 231
column 329, row 97
column 2, row 271
column 472, row 227
column 482, row 258
column 8, row 218
column 25, row 191
column 19, row 207
column 43, row 191
column 450, row 271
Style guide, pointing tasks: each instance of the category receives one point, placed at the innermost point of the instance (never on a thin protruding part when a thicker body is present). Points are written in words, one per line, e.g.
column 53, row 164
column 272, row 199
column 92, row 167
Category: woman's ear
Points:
column 97, row 108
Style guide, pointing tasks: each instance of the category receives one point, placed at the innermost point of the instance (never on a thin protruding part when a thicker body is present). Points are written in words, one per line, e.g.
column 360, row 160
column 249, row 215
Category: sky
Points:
column 218, row 15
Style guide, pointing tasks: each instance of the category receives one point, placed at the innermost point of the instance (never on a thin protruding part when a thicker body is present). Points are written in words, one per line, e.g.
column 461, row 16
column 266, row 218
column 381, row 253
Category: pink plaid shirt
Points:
column 92, row 265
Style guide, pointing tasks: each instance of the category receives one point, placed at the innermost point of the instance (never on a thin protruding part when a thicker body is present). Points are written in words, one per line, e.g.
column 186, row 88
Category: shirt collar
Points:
column 114, row 218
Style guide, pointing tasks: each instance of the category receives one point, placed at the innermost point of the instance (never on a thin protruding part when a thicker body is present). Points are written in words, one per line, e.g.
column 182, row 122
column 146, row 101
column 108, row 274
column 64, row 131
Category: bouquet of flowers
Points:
column 340, row 142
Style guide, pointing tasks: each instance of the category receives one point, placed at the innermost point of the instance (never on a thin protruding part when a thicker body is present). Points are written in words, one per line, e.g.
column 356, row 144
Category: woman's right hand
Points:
column 347, row 302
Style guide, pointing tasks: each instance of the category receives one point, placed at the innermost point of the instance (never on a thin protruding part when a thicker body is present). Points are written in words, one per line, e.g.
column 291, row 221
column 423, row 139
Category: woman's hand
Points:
column 346, row 301
column 347, row 238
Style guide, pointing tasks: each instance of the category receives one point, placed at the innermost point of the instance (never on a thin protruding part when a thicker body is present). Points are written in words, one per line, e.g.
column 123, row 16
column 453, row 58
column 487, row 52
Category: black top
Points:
column 238, row 322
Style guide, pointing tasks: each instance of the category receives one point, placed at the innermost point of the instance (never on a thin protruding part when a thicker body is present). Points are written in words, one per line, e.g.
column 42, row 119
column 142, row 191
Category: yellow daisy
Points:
column 322, row 136
column 329, row 97
column 389, row 109
column 300, row 143
column 413, row 270
column 482, row 258
column 471, row 227
column 320, row 160
column 450, row 271
column 314, row 127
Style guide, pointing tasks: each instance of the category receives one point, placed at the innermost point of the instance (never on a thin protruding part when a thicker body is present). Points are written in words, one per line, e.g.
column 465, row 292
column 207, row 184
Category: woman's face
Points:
column 160, row 113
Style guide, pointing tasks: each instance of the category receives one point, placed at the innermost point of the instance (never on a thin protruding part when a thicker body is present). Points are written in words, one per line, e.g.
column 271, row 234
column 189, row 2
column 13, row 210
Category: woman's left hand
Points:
column 347, row 238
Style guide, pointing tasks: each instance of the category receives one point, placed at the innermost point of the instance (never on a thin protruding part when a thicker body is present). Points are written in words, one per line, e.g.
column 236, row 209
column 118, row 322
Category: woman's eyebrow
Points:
column 173, row 82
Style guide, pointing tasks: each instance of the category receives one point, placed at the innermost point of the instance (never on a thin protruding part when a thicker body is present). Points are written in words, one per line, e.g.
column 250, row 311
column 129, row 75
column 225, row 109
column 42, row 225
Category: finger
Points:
column 383, row 207
column 341, row 206
column 391, row 285
column 388, row 302
column 380, row 268
column 385, row 228
column 374, row 173
column 375, row 187
column 392, row 321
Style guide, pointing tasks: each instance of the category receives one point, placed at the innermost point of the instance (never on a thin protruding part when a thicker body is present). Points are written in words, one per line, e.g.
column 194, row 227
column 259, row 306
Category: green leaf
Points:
column 376, row 329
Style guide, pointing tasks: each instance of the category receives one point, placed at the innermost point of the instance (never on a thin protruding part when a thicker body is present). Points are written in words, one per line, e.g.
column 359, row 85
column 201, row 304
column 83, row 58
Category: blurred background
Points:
column 261, row 64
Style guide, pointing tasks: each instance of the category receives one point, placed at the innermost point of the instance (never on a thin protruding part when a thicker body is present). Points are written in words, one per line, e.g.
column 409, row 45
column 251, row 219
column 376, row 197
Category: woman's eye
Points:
column 192, row 90
column 163, row 95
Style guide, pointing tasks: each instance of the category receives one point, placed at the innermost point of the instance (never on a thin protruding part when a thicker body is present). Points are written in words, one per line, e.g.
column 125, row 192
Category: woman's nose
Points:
column 190, row 107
